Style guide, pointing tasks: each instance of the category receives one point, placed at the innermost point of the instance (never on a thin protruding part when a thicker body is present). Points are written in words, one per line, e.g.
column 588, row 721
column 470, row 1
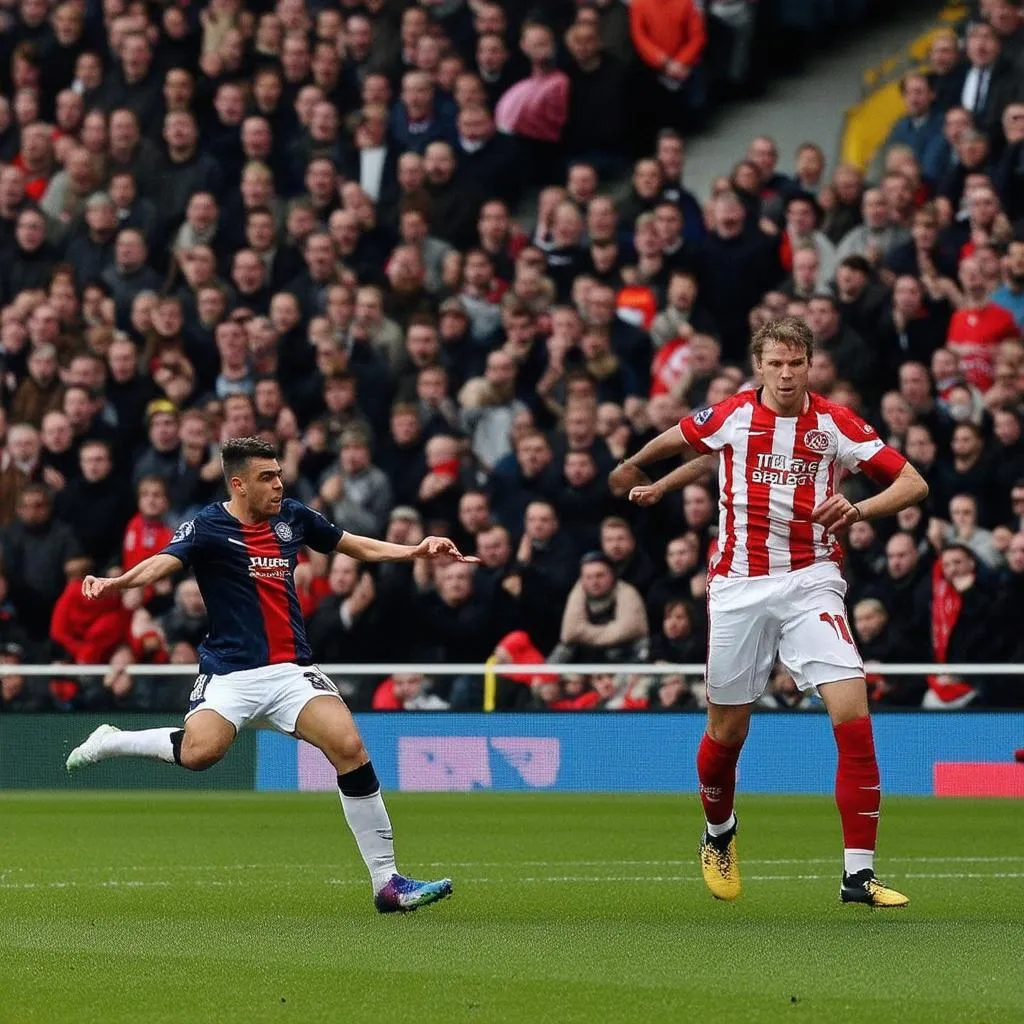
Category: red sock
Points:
column 716, row 770
column 858, row 792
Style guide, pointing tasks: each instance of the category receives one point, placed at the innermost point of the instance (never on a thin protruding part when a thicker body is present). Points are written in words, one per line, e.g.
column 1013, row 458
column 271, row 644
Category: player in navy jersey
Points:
column 256, row 663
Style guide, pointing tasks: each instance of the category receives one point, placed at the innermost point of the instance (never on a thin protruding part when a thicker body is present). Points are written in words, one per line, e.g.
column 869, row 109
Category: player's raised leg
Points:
column 717, row 755
column 199, row 744
column 327, row 723
column 858, row 793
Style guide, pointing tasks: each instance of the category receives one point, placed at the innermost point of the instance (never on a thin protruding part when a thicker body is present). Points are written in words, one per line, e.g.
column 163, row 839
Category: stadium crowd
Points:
column 443, row 255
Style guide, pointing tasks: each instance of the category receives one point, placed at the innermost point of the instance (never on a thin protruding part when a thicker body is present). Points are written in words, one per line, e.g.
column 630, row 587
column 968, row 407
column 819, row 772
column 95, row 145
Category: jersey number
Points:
column 838, row 623
column 198, row 694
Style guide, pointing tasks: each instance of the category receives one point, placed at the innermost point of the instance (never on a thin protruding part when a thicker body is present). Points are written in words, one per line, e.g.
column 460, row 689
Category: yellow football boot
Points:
column 719, row 865
column 863, row 887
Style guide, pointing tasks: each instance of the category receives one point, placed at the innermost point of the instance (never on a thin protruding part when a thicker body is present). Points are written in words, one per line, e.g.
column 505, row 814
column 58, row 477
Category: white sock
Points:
column 720, row 830
column 153, row 743
column 368, row 819
column 858, row 860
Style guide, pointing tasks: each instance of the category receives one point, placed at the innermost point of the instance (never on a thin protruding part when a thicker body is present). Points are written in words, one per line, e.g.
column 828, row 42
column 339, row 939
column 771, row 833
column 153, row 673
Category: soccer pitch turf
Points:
column 225, row 908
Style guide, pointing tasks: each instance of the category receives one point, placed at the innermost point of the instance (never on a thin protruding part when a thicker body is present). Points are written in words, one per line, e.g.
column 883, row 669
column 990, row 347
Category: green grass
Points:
column 240, row 909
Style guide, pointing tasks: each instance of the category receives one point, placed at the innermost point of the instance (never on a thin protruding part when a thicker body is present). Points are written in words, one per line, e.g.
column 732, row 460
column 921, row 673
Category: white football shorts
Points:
column 272, row 694
column 800, row 618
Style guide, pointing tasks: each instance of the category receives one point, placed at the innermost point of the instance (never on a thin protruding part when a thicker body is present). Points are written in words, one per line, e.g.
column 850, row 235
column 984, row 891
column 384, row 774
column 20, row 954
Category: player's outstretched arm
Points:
column 680, row 477
column 366, row 549
column 837, row 514
column 151, row 570
column 629, row 473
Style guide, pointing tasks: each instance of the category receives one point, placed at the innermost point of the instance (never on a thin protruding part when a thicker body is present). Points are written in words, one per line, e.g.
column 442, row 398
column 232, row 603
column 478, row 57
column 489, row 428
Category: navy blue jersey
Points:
column 245, row 574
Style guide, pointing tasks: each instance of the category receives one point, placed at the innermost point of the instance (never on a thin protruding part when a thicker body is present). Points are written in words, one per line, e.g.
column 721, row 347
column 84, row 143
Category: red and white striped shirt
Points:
column 775, row 470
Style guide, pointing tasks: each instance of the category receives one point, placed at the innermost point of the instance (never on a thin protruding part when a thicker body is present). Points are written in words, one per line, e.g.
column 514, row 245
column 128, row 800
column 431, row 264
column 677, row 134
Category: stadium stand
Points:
column 445, row 258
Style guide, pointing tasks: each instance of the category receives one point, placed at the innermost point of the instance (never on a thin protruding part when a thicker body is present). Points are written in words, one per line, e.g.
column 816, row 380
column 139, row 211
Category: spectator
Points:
column 417, row 119
column 1010, row 294
column 486, row 157
column 630, row 563
column 187, row 622
column 89, row 631
column 597, row 90
column 357, row 492
column 407, row 691
column 959, row 609
column 670, row 40
column 604, row 618
column 41, row 391
column 744, row 256
column 535, row 109
column 852, row 357
column 802, row 216
column 20, row 465
column 19, row 692
column 964, row 531
column 680, row 640
column 350, row 624
column 921, row 129
column 877, row 236
column 106, row 495
column 978, row 327
column 910, row 331
column 40, row 554
column 988, row 79
column 489, row 406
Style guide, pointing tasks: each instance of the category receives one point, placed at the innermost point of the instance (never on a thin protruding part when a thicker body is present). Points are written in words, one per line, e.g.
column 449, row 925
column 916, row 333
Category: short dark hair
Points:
column 151, row 479
column 236, row 452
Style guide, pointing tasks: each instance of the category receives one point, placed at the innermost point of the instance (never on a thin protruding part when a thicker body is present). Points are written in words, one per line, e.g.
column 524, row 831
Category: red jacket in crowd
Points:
column 89, row 630
column 667, row 30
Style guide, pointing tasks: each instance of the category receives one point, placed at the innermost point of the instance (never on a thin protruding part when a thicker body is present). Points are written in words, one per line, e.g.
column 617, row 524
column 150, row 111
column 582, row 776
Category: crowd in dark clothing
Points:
column 413, row 247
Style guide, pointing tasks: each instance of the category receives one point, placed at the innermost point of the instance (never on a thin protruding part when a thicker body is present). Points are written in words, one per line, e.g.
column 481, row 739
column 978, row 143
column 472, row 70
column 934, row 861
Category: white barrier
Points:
column 473, row 669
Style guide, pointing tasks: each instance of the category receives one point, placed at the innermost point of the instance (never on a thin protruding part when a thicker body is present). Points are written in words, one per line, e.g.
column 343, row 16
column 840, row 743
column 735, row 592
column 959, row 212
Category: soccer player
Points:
column 255, row 662
column 775, row 588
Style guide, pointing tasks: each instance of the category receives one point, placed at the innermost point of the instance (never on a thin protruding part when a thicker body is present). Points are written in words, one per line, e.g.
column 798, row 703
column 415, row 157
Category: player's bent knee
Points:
column 198, row 757
column 347, row 751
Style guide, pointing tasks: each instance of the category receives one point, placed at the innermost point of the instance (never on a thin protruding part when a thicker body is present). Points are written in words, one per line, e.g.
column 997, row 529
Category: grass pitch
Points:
column 235, row 909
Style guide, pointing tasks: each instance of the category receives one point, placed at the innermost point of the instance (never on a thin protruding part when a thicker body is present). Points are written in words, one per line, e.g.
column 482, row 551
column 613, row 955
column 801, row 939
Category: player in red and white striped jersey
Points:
column 775, row 588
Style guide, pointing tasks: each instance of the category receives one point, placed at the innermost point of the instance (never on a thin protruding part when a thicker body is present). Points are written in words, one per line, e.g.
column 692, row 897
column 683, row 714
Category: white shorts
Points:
column 799, row 618
column 272, row 694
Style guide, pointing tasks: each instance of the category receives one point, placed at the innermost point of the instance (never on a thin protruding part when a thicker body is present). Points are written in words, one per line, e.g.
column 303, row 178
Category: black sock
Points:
column 361, row 781
column 176, row 738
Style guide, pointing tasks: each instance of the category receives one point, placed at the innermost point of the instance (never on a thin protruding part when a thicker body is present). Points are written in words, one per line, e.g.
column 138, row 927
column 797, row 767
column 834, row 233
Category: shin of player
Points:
column 858, row 784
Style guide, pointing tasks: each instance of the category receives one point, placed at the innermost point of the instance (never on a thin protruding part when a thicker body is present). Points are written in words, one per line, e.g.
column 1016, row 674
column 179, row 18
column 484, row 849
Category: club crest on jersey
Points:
column 184, row 531
column 283, row 531
column 817, row 441
column 703, row 416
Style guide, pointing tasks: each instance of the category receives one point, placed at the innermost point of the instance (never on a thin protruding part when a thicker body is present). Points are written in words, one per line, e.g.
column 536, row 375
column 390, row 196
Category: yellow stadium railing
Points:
column 867, row 123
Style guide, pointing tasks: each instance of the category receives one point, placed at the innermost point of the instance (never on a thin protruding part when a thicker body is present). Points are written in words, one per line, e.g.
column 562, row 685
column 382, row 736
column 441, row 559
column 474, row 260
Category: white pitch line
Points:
column 512, row 865
column 690, row 860
column 530, row 880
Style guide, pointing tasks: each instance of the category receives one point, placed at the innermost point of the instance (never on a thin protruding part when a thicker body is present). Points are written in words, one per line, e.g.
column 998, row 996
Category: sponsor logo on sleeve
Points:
column 184, row 531
column 700, row 418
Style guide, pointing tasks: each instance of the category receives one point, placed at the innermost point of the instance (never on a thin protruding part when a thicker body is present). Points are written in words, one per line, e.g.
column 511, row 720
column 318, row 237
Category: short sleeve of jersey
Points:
column 861, row 450
column 705, row 430
column 184, row 545
column 318, row 532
